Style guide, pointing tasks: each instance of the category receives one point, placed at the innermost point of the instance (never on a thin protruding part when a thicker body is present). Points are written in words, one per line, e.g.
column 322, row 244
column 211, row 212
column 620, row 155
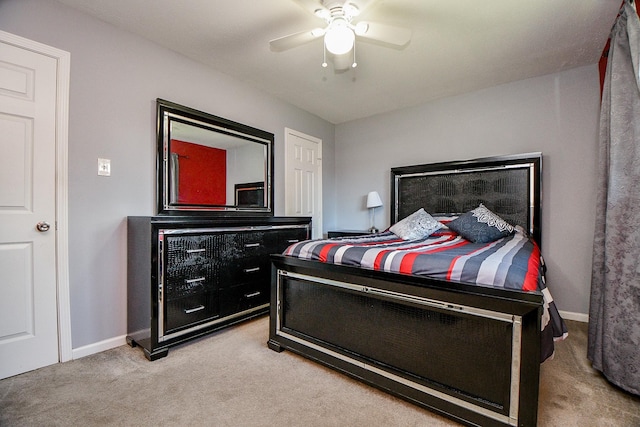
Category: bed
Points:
column 467, row 346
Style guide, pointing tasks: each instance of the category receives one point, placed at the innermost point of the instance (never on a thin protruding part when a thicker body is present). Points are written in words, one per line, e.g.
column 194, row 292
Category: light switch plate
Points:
column 104, row 167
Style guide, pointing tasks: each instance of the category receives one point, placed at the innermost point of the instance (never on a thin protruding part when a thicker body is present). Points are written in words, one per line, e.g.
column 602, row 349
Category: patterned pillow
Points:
column 481, row 225
column 445, row 219
column 418, row 225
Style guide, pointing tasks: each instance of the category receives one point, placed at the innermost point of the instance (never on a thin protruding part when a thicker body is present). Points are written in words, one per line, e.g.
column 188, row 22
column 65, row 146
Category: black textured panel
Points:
column 459, row 354
column 442, row 187
column 504, row 191
column 475, row 187
column 190, row 265
column 223, row 259
column 508, row 207
column 471, row 203
column 184, row 280
column 444, row 205
column 509, row 184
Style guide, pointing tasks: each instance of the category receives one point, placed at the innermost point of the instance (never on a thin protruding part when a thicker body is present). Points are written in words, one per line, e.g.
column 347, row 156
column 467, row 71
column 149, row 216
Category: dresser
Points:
column 192, row 275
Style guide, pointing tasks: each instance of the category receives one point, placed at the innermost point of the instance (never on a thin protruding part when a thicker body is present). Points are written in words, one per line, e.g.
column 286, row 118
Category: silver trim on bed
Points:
column 516, row 342
column 458, row 170
column 408, row 298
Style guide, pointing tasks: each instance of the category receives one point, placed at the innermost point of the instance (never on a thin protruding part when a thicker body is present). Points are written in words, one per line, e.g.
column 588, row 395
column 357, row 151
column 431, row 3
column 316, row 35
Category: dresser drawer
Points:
column 243, row 297
column 287, row 237
column 183, row 312
column 245, row 269
column 184, row 280
column 191, row 249
column 253, row 243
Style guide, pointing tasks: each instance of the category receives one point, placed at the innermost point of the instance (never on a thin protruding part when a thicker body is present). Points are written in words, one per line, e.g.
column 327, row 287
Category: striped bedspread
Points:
column 513, row 262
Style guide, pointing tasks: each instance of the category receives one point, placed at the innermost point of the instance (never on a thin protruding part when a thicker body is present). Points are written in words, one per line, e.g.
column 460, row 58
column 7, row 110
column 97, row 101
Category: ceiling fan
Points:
column 341, row 31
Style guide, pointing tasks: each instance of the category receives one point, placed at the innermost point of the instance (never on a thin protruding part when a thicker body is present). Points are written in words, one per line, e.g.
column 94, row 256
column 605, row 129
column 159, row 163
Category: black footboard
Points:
column 469, row 353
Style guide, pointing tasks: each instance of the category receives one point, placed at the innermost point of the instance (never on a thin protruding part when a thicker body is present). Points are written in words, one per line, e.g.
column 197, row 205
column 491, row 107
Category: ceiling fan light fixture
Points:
column 339, row 38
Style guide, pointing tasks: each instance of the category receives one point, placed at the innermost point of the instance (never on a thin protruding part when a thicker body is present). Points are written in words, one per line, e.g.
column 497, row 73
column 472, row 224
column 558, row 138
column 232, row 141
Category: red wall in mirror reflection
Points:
column 202, row 174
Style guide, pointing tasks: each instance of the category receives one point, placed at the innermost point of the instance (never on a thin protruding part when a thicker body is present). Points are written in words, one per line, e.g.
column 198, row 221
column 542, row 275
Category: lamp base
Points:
column 373, row 230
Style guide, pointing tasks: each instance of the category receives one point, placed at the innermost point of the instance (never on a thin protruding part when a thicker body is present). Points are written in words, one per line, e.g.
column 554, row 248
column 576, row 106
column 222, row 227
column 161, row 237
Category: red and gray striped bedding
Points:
column 513, row 262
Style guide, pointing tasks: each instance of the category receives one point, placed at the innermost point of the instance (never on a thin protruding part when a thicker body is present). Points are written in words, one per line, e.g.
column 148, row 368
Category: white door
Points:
column 28, row 294
column 303, row 178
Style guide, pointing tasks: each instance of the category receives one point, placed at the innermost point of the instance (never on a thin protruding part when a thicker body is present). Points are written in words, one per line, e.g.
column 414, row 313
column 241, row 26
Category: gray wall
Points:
column 555, row 114
column 115, row 79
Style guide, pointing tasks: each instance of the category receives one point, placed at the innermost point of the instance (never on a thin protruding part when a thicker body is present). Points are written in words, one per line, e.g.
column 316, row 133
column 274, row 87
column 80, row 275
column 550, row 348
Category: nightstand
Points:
column 347, row 233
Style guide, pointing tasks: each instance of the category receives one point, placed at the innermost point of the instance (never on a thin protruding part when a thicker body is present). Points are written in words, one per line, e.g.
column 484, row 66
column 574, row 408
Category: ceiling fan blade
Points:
column 294, row 40
column 387, row 34
column 311, row 5
column 361, row 5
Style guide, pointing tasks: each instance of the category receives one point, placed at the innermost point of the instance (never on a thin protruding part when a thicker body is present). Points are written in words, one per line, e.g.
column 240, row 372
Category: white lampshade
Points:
column 339, row 38
column 373, row 200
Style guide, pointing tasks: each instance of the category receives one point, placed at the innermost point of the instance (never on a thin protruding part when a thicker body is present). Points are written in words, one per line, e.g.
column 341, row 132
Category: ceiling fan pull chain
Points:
column 324, row 55
column 355, row 64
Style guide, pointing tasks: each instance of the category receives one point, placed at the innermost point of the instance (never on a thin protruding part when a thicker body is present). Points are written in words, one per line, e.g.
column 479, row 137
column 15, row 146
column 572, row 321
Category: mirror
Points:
column 210, row 164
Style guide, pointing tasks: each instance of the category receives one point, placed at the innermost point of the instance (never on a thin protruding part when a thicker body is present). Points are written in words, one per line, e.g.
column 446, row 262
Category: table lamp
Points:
column 373, row 201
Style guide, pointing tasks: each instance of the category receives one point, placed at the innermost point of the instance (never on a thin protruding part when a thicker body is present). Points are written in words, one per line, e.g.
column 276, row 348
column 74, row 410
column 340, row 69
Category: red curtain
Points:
column 602, row 64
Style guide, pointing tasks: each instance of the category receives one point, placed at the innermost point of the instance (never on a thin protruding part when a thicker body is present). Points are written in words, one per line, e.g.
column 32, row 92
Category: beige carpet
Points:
column 231, row 378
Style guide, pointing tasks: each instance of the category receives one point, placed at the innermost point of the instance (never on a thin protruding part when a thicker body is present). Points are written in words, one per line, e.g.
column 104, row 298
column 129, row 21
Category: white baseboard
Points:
column 90, row 349
column 97, row 347
column 578, row 317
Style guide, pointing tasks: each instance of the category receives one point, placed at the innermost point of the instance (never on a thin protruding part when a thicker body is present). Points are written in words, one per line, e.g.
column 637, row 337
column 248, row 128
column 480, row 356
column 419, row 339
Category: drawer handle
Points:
column 254, row 294
column 251, row 245
column 193, row 251
column 251, row 270
column 293, row 241
column 199, row 279
column 194, row 309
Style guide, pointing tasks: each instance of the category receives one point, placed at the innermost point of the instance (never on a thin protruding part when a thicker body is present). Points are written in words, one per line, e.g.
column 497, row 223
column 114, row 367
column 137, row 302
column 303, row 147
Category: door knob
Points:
column 43, row 226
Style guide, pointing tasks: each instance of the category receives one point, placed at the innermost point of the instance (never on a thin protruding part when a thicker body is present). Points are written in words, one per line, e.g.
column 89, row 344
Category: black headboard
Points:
column 510, row 186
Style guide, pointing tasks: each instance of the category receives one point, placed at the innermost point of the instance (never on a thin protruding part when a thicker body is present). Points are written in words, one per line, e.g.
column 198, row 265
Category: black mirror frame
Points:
column 221, row 125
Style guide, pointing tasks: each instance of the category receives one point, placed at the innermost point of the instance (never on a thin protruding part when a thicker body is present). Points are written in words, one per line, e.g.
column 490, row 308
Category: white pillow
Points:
column 418, row 225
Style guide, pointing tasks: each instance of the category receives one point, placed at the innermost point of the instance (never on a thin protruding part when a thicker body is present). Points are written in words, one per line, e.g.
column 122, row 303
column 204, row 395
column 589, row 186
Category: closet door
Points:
column 303, row 178
column 28, row 293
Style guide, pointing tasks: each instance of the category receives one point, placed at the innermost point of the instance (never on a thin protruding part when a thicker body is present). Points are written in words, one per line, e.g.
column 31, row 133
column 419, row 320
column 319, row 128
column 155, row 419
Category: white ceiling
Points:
column 456, row 47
